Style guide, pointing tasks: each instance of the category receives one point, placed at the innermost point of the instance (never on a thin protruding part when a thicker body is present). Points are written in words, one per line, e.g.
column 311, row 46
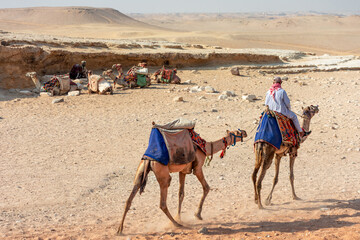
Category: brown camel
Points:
column 162, row 173
column 264, row 154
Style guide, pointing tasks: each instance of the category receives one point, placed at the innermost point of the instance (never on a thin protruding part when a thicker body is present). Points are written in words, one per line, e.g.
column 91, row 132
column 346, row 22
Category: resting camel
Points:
column 65, row 84
column 116, row 80
column 162, row 173
column 264, row 154
column 98, row 84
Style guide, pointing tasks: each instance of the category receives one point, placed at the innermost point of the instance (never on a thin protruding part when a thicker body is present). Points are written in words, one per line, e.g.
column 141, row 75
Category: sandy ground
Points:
column 67, row 168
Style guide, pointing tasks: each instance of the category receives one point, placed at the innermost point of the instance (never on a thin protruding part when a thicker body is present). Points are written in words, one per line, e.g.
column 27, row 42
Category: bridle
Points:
column 226, row 146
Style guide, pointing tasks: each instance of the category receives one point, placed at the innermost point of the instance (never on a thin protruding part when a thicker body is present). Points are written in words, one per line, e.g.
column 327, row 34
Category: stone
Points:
column 250, row 98
column 194, row 89
column 218, row 117
column 26, row 92
column 224, row 68
column 235, row 71
column 195, row 72
column 187, row 82
column 222, row 97
column 202, row 97
column 13, row 90
column 214, row 110
column 57, row 100
column 324, row 209
column 209, row 89
column 45, row 94
column 74, row 93
column 203, row 230
column 229, row 93
column 284, row 78
column 178, row 99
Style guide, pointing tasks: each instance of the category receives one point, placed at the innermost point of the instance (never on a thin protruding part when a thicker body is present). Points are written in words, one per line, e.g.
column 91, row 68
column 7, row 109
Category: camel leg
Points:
column 277, row 167
column 292, row 161
column 127, row 206
column 258, row 160
column 164, row 185
column 181, row 193
column 200, row 176
column 265, row 165
column 163, row 177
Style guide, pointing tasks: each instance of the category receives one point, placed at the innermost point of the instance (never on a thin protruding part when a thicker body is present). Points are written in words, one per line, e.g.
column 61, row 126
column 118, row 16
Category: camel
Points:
column 116, row 80
column 63, row 86
column 162, row 173
column 167, row 76
column 35, row 79
column 264, row 154
column 98, row 84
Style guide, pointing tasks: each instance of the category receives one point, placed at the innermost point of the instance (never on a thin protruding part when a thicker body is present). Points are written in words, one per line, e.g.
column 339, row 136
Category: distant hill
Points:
column 68, row 16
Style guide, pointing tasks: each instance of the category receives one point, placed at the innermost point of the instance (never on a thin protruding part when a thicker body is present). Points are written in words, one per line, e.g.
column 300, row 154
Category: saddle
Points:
column 171, row 143
column 276, row 129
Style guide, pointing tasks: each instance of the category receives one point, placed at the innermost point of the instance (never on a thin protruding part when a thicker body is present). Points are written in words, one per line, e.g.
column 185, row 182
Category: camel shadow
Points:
column 325, row 221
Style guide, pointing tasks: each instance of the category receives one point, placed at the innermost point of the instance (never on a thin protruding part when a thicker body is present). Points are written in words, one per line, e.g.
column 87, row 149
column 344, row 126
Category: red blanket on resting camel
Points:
column 288, row 131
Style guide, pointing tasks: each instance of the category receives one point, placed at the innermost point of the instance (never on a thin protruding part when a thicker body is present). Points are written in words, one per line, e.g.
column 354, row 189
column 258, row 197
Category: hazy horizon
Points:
column 210, row 6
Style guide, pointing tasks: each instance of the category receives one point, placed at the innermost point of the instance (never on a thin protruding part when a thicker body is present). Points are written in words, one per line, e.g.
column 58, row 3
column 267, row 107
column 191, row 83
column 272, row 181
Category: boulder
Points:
column 235, row 71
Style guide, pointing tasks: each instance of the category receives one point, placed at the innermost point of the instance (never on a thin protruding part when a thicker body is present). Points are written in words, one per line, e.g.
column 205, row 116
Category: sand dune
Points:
column 68, row 16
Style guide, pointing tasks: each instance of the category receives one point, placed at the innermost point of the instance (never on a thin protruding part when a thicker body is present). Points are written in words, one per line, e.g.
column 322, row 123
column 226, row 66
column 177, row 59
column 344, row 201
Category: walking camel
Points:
column 264, row 154
column 162, row 173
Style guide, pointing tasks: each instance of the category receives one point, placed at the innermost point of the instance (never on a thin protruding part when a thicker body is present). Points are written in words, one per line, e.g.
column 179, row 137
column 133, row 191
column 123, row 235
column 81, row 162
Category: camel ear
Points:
column 227, row 131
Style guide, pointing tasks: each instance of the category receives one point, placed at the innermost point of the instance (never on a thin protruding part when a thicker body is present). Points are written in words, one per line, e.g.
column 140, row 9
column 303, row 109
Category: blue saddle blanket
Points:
column 269, row 131
column 157, row 149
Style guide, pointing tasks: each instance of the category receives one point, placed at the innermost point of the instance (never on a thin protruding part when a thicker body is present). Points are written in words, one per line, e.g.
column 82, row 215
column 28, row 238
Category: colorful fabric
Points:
column 268, row 131
column 197, row 140
column 141, row 80
column 274, row 88
column 131, row 75
column 53, row 82
column 167, row 74
column 157, row 149
column 288, row 131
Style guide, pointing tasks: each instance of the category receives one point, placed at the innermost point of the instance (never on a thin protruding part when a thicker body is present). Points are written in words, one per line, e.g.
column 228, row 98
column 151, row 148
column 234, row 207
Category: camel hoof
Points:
column 198, row 216
column 296, row 198
column 268, row 202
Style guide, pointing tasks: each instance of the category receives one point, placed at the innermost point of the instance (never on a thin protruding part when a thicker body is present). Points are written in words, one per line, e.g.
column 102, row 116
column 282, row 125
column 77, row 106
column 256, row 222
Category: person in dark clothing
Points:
column 78, row 71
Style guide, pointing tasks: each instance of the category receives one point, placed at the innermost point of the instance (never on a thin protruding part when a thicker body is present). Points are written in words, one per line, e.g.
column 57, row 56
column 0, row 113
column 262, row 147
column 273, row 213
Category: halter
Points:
column 233, row 135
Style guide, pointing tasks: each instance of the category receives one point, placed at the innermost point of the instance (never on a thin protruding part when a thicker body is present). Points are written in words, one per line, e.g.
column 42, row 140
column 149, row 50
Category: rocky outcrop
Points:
column 18, row 58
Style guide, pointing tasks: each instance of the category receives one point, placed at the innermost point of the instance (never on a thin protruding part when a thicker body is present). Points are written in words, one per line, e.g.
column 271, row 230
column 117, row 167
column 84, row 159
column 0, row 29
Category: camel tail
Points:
column 142, row 174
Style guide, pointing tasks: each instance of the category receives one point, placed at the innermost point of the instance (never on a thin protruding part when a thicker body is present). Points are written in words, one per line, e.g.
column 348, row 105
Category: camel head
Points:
column 108, row 72
column 117, row 66
column 310, row 111
column 235, row 136
column 89, row 72
column 31, row 74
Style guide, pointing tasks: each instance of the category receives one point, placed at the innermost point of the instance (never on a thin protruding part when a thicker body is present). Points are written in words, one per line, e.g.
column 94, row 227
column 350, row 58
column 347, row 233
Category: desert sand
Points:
column 68, row 168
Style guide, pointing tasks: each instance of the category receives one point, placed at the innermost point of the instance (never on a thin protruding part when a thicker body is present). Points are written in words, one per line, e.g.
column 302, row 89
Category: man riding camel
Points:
column 278, row 101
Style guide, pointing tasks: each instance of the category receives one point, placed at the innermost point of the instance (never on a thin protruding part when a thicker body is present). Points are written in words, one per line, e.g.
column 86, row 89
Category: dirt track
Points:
column 67, row 168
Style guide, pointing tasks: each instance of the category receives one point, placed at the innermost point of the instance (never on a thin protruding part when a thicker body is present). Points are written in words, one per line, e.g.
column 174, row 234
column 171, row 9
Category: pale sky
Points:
column 194, row 6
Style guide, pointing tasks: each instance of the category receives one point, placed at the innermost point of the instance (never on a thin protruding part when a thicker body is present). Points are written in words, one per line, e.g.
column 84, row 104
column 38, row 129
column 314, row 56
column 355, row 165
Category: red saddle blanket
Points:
column 288, row 131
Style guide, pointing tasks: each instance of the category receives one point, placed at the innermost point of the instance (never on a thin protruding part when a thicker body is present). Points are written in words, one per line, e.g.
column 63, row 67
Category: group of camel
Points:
column 264, row 154
column 99, row 84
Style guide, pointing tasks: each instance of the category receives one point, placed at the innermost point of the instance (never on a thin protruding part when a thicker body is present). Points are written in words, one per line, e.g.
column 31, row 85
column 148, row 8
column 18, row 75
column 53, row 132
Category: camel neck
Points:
column 218, row 145
column 306, row 123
